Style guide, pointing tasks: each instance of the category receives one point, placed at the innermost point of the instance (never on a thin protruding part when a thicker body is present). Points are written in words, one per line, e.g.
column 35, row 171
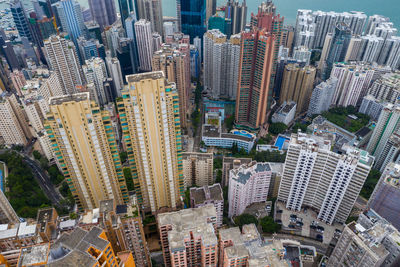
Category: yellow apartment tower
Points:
column 84, row 144
column 150, row 121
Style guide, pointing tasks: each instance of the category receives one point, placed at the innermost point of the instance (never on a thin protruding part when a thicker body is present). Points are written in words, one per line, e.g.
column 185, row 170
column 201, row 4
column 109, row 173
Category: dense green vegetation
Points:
column 245, row 219
column 196, row 117
column 265, row 140
column 268, row 225
column 370, row 183
column 351, row 219
column 277, row 128
column 269, row 156
column 128, row 179
column 123, row 156
column 217, row 163
column 25, row 195
column 339, row 116
column 229, row 122
column 301, row 126
column 56, row 176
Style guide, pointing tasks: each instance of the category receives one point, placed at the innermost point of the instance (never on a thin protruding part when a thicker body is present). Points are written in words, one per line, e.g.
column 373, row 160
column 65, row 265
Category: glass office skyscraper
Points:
column 193, row 16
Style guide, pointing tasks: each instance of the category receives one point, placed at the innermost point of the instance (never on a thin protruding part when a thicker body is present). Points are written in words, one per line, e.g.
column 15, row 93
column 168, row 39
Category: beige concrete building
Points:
column 297, row 85
column 172, row 63
column 197, row 168
column 13, row 124
column 84, row 143
column 188, row 237
column 63, row 59
column 149, row 115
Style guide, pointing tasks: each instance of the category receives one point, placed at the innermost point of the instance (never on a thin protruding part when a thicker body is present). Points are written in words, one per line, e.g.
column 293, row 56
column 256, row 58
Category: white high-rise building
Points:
column 371, row 47
column 353, row 83
column 95, row 72
column 390, row 152
column 151, row 10
column 250, row 183
column 374, row 21
column 63, row 59
column 316, row 25
column 144, row 40
column 169, row 28
column 371, row 107
column 316, row 177
column 353, row 49
column 302, row 53
column 321, row 96
column 388, row 122
column 221, row 68
column 50, row 86
column 386, row 88
column 114, row 71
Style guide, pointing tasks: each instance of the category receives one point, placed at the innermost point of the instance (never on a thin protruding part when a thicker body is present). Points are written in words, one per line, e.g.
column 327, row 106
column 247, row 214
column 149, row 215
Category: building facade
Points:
column 197, row 169
column 313, row 174
column 206, row 195
column 94, row 172
column 149, row 115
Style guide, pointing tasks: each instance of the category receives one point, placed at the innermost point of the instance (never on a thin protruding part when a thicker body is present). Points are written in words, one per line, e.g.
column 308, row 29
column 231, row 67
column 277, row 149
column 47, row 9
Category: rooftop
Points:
column 34, row 255
column 58, row 100
column 201, row 194
column 145, row 76
column 245, row 171
column 187, row 221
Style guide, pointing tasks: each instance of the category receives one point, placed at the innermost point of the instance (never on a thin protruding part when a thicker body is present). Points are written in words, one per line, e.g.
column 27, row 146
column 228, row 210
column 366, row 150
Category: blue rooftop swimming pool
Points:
column 280, row 141
column 242, row 133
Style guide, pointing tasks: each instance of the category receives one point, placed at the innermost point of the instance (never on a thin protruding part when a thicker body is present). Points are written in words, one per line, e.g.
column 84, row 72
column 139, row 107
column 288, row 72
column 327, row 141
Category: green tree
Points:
column 123, row 155
column 301, row 126
column 370, row 183
column 129, row 179
column 265, row 140
column 245, row 219
column 36, row 155
column 229, row 122
column 218, row 179
column 277, row 128
column 268, row 225
column 217, row 163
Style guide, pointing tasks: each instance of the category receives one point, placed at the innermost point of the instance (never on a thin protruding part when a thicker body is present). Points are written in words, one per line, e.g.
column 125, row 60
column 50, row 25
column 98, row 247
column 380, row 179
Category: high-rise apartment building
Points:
column 144, row 42
column 230, row 163
column 13, row 124
column 125, row 9
column 90, row 48
column 386, row 194
column 20, row 19
column 95, row 72
column 319, row 23
column 248, row 184
column 371, row 241
column 191, row 15
column 388, row 123
column 254, row 96
column 172, row 63
column 114, row 71
column 206, row 195
column 103, row 12
column 338, row 48
column 220, row 64
column 63, row 59
column 197, row 169
column 370, row 48
column 94, row 171
column 390, row 152
column 316, row 177
column 18, row 81
column 297, row 84
column 151, row 10
column 371, row 107
column 267, row 19
column 237, row 13
column 321, row 97
column 71, row 19
column 386, row 88
column 188, row 237
column 353, row 83
column 149, row 114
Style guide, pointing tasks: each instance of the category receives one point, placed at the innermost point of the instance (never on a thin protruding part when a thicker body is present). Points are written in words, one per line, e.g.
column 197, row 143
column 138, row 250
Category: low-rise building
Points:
column 202, row 196
column 213, row 136
column 285, row 113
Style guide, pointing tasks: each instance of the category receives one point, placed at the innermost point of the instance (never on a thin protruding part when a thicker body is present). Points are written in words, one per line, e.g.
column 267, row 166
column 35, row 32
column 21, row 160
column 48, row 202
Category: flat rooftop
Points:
column 202, row 194
column 58, row 100
column 35, row 255
column 145, row 76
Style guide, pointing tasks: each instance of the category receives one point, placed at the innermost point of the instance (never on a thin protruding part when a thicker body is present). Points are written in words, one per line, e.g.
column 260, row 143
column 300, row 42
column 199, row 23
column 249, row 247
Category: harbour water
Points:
column 288, row 8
